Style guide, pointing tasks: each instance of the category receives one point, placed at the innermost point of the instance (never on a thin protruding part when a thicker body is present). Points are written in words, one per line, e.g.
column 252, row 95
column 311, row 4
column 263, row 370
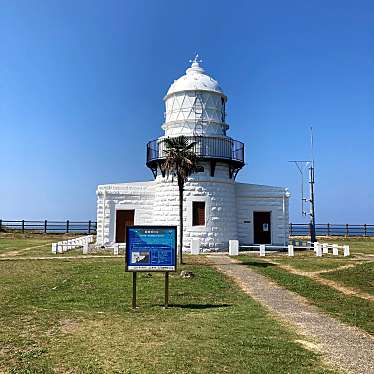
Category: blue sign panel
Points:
column 151, row 248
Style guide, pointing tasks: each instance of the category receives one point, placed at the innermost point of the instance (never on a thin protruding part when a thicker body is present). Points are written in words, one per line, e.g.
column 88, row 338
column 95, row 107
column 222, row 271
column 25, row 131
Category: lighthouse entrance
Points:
column 124, row 218
column 261, row 228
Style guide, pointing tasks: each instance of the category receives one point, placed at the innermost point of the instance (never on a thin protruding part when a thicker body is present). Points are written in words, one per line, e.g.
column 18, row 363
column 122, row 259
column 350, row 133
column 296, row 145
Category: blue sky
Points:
column 82, row 82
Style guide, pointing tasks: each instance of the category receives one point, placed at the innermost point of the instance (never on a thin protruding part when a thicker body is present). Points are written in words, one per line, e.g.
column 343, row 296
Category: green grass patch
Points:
column 357, row 245
column 36, row 245
column 10, row 242
column 360, row 277
column 350, row 309
column 75, row 316
column 7, row 245
column 311, row 263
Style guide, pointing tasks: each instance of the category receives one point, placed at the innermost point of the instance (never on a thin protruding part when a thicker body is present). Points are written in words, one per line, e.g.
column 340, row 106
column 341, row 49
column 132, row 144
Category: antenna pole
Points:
column 301, row 166
column 312, row 224
column 311, row 200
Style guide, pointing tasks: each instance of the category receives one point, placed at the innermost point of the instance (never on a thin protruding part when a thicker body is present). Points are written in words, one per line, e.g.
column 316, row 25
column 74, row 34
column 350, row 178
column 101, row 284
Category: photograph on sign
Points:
column 151, row 248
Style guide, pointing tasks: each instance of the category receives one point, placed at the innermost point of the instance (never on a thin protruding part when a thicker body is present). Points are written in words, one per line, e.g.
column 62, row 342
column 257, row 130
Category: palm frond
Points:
column 180, row 159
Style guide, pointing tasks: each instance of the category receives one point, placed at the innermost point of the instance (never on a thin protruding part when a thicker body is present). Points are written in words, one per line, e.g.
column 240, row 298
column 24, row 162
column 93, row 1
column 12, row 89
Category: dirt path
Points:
column 344, row 347
column 350, row 266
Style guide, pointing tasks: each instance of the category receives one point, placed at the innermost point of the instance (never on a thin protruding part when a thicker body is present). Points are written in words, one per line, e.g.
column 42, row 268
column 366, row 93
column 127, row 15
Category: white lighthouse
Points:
column 216, row 208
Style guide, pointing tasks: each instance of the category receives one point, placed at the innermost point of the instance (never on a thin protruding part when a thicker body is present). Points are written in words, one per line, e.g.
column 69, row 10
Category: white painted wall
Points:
column 228, row 205
column 138, row 196
column 251, row 198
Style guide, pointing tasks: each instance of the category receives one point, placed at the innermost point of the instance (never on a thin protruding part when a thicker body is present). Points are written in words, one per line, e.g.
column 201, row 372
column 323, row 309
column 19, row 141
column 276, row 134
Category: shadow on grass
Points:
column 258, row 264
column 199, row 306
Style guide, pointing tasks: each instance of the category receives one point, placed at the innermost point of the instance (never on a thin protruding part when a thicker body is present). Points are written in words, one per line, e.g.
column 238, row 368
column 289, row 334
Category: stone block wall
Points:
column 217, row 192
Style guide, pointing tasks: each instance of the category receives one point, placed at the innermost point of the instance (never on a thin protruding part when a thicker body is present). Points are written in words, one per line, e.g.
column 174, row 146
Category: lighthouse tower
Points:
column 216, row 207
column 195, row 108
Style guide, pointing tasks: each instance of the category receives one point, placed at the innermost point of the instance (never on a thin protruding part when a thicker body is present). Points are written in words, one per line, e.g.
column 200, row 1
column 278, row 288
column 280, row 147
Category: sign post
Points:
column 134, row 290
column 151, row 249
column 166, row 289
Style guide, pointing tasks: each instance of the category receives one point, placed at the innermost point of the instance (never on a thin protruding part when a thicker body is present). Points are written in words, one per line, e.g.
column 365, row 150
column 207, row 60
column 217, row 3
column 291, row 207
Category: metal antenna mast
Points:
column 301, row 166
column 311, row 196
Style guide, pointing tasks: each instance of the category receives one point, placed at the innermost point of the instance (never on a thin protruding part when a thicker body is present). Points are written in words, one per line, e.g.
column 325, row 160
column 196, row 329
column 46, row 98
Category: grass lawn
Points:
column 306, row 261
column 350, row 309
column 36, row 245
column 10, row 242
column 73, row 316
column 357, row 245
column 360, row 277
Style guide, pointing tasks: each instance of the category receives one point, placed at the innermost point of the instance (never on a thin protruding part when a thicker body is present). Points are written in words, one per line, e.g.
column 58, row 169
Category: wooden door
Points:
column 261, row 228
column 124, row 218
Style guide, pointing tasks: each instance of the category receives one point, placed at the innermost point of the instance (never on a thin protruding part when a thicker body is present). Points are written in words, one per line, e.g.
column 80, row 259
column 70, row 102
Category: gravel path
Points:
column 342, row 346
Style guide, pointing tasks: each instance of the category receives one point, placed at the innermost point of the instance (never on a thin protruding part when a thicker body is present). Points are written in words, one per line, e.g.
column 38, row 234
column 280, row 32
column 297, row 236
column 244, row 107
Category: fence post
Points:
column 365, row 229
column 67, row 226
column 45, row 226
column 291, row 229
column 89, row 227
column 1, row 222
column 346, row 230
column 328, row 229
column 23, row 225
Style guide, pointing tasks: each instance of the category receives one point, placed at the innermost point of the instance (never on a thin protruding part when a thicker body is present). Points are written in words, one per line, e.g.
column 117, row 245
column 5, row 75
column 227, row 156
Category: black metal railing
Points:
column 48, row 227
column 212, row 147
column 332, row 229
column 89, row 227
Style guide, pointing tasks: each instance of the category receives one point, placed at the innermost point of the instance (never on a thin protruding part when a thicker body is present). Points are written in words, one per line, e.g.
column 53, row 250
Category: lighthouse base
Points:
column 214, row 211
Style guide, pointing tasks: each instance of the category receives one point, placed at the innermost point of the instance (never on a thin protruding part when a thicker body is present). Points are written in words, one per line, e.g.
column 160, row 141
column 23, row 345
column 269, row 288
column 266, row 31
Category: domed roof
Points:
column 195, row 79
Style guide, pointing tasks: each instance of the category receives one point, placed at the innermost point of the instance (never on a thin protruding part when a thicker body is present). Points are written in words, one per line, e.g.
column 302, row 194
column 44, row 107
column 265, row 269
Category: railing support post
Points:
column 89, row 227
column 45, row 226
column 291, row 229
column 365, row 229
column 328, row 229
column 67, row 226
column 346, row 230
column 23, row 225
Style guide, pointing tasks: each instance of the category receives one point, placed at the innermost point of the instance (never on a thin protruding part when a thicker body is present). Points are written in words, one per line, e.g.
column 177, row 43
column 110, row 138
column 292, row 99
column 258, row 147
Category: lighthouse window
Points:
column 198, row 213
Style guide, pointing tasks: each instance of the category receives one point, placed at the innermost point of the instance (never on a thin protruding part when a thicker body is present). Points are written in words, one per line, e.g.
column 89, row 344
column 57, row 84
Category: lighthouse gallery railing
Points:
column 204, row 147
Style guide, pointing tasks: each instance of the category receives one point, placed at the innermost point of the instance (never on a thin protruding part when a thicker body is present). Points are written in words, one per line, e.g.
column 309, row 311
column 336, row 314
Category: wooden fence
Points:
column 332, row 229
column 45, row 226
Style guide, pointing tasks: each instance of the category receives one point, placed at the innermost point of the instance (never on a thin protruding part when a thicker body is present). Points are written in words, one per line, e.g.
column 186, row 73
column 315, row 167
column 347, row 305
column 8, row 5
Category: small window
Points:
column 198, row 213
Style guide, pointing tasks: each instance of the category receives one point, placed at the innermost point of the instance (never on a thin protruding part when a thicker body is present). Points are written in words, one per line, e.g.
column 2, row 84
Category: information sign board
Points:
column 151, row 248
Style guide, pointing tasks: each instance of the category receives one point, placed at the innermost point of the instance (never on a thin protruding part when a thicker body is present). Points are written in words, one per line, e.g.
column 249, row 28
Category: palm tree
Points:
column 180, row 161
